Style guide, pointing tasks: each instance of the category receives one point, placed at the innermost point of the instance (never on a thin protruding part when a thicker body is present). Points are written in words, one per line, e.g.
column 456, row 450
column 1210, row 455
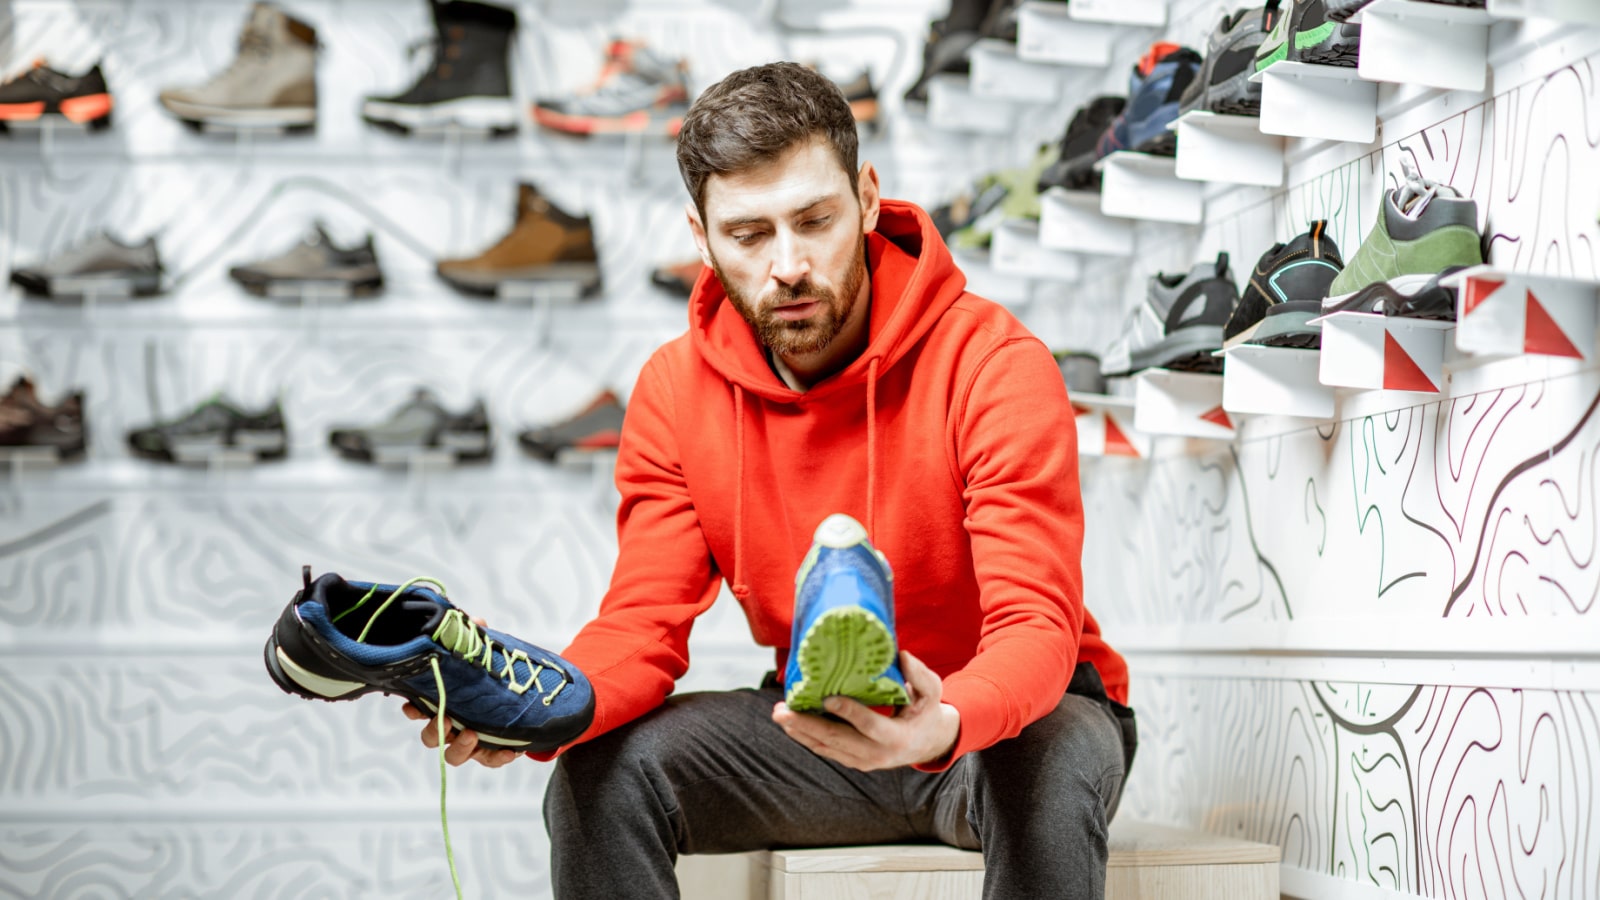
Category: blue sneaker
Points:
column 843, row 639
column 339, row 640
column 1155, row 93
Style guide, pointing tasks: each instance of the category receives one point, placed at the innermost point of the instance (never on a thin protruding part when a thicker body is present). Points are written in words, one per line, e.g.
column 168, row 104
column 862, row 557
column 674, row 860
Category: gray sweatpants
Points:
column 711, row 773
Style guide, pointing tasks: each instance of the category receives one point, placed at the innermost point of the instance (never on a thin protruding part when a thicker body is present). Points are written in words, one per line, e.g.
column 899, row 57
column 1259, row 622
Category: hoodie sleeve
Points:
column 638, row 645
column 1016, row 451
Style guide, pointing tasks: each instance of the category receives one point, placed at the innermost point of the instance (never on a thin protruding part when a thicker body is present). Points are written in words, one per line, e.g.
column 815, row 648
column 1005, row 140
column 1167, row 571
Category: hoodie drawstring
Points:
column 740, row 589
column 872, row 445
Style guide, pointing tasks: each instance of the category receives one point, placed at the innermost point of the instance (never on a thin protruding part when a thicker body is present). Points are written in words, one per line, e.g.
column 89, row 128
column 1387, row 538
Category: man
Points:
column 835, row 363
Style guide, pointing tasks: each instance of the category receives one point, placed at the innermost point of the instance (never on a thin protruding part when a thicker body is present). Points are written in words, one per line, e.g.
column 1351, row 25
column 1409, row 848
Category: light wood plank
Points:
column 1238, row 881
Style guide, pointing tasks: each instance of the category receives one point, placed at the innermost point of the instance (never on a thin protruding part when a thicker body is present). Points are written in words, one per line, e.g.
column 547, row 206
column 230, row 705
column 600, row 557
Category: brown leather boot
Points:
column 546, row 253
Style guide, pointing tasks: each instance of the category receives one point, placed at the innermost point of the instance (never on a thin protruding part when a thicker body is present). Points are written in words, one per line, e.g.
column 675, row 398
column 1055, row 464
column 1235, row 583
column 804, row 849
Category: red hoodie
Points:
column 951, row 438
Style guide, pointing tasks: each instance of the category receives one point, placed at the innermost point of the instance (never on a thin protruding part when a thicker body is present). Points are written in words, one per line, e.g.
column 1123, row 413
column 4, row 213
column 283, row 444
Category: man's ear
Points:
column 698, row 229
column 867, row 194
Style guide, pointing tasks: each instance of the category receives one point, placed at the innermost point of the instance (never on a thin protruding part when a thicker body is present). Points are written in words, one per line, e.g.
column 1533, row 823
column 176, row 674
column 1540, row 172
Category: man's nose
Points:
column 790, row 262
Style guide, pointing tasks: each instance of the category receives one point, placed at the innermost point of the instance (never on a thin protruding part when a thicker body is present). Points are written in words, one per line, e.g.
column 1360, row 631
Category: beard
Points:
column 813, row 333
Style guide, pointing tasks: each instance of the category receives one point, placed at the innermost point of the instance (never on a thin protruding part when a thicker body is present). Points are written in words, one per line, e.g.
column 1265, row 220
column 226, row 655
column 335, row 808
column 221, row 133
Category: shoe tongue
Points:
column 1153, row 57
column 426, row 611
column 318, row 235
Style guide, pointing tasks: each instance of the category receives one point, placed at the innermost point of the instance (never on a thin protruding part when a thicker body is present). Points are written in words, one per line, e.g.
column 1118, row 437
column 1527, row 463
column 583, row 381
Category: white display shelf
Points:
column 1586, row 12
column 953, row 106
column 1388, row 353
column 1151, row 13
column 1105, row 426
column 1326, row 102
column 1046, row 33
column 1182, row 403
column 986, row 281
column 1141, row 186
column 1274, row 381
column 1431, row 44
column 1015, row 250
column 998, row 72
column 1230, row 149
column 1503, row 313
column 1072, row 220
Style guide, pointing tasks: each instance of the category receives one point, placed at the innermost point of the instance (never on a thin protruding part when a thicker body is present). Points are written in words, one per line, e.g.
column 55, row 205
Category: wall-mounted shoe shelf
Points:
column 1072, row 221
column 1388, row 353
column 1431, row 44
column 1152, row 13
column 997, row 72
column 1229, row 149
column 1274, row 381
column 14, row 460
column 1046, row 33
column 1015, row 250
column 1503, row 313
column 985, row 280
column 311, row 293
column 954, row 107
column 1183, row 403
column 1326, row 102
column 1579, row 11
column 539, row 292
column 1141, row 186
column 1105, row 426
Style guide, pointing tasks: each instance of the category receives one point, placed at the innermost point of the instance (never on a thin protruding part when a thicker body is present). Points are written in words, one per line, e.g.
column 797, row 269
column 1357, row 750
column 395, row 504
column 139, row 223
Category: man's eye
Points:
column 746, row 239
column 816, row 223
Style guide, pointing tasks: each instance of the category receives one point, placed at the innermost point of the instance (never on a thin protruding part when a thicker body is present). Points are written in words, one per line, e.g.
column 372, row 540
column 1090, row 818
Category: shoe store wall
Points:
column 1367, row 640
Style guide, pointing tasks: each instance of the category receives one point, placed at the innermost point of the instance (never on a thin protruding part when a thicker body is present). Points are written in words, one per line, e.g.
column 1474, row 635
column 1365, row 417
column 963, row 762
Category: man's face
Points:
column 785, row 239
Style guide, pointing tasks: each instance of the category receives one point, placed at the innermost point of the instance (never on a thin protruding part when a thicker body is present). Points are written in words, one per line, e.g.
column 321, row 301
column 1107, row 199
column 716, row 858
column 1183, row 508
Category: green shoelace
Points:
column 468, row 640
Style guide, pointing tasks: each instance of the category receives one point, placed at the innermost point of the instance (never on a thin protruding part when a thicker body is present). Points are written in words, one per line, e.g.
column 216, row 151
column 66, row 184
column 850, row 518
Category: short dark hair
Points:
column 754, row 115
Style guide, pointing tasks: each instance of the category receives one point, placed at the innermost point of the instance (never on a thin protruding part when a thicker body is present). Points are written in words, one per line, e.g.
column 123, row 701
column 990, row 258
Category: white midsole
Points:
column 267, row 116
column 482, row 738
column 317, row 684
column 479, row 112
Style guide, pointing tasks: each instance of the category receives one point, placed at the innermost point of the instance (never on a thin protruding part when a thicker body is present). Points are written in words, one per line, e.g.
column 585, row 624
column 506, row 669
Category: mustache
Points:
column 804, row 291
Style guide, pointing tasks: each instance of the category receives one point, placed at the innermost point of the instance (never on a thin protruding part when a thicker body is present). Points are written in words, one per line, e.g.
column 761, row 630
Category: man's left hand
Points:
column 923, row 730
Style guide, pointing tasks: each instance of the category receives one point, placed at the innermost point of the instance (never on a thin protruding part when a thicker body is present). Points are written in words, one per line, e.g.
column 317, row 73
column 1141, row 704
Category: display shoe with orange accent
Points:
column 548, row 251
column 42, row 94
column 597, row 426
column 678, row 278
column 637, row 91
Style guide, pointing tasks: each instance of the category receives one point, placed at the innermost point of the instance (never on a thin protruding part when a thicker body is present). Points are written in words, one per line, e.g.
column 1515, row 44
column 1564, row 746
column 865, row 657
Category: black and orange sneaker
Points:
column 637, row 91
column 596, row 427
column 42, row 93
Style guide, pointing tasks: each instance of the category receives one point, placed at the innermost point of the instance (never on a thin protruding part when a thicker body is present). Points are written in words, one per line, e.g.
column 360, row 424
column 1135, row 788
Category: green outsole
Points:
column 844, row 653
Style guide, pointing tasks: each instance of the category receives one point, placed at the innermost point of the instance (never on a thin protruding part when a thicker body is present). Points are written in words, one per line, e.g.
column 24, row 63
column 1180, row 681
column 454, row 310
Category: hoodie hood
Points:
column 914, row 281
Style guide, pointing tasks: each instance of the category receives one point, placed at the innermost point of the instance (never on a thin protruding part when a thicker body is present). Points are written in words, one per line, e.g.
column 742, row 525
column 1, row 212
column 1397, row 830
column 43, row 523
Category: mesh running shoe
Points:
column 316, row 262
column 214, row 426
column 842, row 643
column 637, row 91
column 1302, row 32
column 1223, row 85
column 1179, row 323
column 1285, row 293
column 42, row 93
column 99, row 266
column 1154, row 90
column 1423, row 228
column 597, row 426
column 420, row 424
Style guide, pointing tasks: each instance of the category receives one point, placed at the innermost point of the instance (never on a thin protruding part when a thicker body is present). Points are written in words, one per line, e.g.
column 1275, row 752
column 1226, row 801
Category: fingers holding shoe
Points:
column 460, row 746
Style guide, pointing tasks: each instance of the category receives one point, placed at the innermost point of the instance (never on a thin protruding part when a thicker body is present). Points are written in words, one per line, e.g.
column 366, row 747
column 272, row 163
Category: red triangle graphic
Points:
column 1400, row 371
column 1219, row 416
column 1478, row 290
column 1541, row 334
column 1079, row 410
column 1117, row 443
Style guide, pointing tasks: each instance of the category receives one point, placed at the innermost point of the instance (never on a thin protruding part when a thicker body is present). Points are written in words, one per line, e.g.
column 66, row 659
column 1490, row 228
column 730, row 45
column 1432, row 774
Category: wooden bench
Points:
column 1147, row 862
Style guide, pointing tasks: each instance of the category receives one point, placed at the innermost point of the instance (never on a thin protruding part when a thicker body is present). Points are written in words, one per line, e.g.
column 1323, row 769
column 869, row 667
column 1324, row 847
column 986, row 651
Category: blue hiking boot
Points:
column 843, row 639
column 339, row 640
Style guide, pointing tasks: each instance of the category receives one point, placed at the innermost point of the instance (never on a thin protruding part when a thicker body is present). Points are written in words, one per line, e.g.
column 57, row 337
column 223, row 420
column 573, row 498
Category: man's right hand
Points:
column 460, row 745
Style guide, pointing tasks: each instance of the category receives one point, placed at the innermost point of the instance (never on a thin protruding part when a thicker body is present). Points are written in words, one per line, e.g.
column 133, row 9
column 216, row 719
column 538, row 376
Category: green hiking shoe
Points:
column 1423, row 228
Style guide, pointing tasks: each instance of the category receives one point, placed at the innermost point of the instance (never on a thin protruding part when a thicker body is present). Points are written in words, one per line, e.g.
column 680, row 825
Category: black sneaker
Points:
column 421, row 424
column 42, row 93
column 1224, row 85
column 468, row 84
column 1430, row 300
column 1074, row 166
column 315, row 264
column 212, row 427
column 1179, row 324
column 1285, row 292
column 28, row 423
column 945, row 53
column 99, row 266
column 597, row 426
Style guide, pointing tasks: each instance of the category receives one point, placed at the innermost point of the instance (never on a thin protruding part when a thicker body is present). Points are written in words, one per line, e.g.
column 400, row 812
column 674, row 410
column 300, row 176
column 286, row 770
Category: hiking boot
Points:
column 546, row 247
column 637, row 91
column 99, row 266
column 678, row 278
column 420, row 424
column 1081, row 372
column 1179, row 324
column 213, row 426
column 1074, row 166
column 597, row 426
column 314, row 265
column 271, row 83
column 1285, row 292
column 1223, row 85
column 1429, row 300
column 468, row 84
column 842, row 642
column 1300, row 31
column 26, row 422
column 1158, row 82
column 42, row 94
column 1423, row 228
column 339, row 640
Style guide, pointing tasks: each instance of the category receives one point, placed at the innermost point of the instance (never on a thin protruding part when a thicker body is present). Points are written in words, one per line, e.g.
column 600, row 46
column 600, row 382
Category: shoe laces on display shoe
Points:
column 1418, row 191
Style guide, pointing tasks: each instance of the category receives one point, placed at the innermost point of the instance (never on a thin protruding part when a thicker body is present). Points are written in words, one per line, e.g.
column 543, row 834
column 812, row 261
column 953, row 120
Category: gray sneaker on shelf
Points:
column 637, row 91
column 1179, row 323
column 420, row 426
column 1223, row 85
column 314, row 267
column 271, row 83
column 101, row 266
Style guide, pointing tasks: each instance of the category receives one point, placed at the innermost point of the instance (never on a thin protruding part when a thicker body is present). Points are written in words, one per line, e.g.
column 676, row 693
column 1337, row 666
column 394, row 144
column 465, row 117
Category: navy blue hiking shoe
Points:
column 1155, row 91
column 843, row 640
column 339, row 640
